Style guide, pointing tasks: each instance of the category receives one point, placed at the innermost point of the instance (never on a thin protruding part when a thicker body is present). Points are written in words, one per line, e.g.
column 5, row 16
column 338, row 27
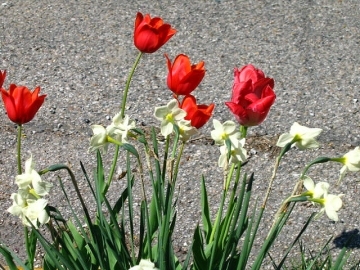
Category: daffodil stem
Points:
column 19, row 148
column 27, row 245
column 286, row 148
column 316, row 161
column 128, row 84
column 112, row 169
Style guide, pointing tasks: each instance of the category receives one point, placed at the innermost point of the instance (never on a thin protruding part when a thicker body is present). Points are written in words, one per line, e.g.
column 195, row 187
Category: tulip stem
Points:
column 128, row 84
column 19, row 149
column 243, row 131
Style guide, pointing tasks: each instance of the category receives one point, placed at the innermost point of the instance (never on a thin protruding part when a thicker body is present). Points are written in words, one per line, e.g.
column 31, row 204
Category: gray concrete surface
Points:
column 80, row 52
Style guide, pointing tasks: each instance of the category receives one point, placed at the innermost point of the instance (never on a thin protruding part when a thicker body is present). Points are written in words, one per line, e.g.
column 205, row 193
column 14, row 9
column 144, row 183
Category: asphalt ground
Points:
column 80, row 52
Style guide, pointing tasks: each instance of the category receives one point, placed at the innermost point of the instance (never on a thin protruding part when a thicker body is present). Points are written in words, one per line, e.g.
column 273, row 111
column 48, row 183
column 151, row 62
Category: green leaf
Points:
column 128, row 147
column 120, row 202
column 200, row 260
column 341, row 259
column 54, row 255
column 205, row 211
column 10, row 256
column 143, row 223
column 31, row 248
column 79, row 239
column 296, row 240
column 188, row 256
column 138, row 131
column 130, row 207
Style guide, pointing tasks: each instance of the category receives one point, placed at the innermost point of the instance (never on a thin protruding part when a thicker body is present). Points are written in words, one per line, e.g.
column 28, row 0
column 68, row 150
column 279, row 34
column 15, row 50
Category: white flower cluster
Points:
column 29, row 202
column 227, row 131
column 304, row 138
column 118, row 130
column 171, row 115
column 318, row 194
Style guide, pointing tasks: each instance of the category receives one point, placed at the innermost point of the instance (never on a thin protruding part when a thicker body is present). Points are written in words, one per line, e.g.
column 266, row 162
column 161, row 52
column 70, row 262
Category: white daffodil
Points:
column 186, row 130
column 99, row 139
column 41, row 188
column 351, row 162
column 238, row 153
column 225, row 131
column 330, row 205
column 33, row 209
column 144, row 265
column 303, row 137
column 169, row 115
column 31, row 180
column 36, row 211
column 120, row 127
column 19, row 203
column 24, row 180
column 315, row 191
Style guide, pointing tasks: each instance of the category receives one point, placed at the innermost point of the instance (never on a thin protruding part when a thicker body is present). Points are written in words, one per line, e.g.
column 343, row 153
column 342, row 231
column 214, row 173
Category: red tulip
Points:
column 2, row 77
column 197, row 114
column 151, row 34
column 183, row 77
column 252, row 96
column 21, row 104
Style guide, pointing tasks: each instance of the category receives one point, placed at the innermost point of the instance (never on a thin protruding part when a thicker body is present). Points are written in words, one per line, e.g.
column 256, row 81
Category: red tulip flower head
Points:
column 151, row 34
column 197, row 114
column 21, row 104
column 183, row 77
column 252, row 96
column 2, row 77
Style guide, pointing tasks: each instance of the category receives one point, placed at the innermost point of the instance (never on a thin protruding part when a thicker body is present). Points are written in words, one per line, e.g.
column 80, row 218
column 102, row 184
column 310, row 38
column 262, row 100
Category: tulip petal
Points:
column 138, row 20
column 249, row 72
column 183, row 77
column 240, row 90
column 2, row 77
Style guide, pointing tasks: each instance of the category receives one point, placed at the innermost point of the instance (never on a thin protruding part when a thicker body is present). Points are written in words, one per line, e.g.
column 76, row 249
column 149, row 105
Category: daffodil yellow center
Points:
column 33, row 192
column 169, row 117
column 297, row 138
column 224, row 136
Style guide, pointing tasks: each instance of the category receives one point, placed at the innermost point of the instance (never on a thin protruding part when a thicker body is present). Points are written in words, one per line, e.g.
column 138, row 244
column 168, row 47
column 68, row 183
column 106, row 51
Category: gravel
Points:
column 80, row 53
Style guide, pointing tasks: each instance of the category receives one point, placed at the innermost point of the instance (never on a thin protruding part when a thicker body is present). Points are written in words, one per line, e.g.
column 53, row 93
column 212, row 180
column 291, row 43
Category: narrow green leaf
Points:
column 131, row 149
column 296, row 240
column 205, row 211
column 188, row 256
column 130, row 207
column 272, row 236
column 10, row 256
column 314, row 259
column 138, row 131
column 341, row 259
column 200, row 260
column 142, row 232
column 56, row 257
column 79, row 239
column 246, row 248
